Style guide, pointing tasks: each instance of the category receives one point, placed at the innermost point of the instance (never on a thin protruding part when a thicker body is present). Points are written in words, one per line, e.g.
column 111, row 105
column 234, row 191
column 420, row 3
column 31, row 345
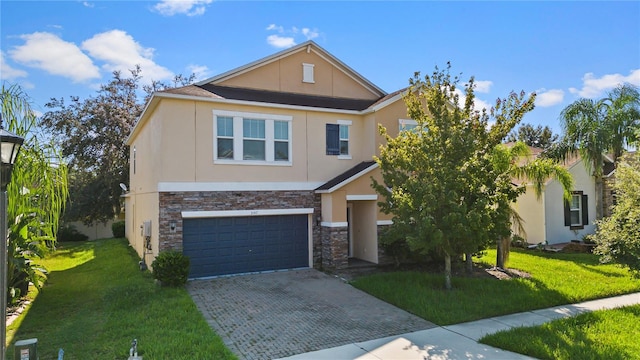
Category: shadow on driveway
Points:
column 279, row 314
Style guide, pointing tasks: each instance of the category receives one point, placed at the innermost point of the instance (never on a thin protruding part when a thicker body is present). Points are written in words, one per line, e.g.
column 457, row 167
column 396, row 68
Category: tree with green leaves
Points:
column 593, row 128
column 447, row 192
column 92, row 135
column 541, row 137
column 618, row 236
column 36, row 195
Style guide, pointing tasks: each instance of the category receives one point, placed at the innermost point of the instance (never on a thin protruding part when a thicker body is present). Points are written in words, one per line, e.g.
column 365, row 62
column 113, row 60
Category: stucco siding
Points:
column 556, row 231
column 531, row 210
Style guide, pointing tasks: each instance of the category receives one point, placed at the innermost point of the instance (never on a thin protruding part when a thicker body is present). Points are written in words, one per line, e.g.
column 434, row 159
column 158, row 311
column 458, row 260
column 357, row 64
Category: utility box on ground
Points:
column 26, row 349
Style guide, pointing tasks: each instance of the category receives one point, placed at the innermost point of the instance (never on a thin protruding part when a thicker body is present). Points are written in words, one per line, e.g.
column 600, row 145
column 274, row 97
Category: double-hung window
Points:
column 338, row 139
column 576, row 214
column 252, row 138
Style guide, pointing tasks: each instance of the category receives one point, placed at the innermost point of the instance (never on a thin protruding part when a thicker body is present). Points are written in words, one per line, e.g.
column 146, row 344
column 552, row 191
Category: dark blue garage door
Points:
column 233, row 245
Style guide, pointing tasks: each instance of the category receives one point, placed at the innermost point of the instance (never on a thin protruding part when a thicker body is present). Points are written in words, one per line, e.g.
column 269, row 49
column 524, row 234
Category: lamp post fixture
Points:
column 9, row 148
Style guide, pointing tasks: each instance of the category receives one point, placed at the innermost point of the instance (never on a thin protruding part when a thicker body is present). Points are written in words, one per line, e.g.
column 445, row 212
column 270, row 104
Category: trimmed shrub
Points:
column 118, row 229
column 171, row 268
column 70, row 233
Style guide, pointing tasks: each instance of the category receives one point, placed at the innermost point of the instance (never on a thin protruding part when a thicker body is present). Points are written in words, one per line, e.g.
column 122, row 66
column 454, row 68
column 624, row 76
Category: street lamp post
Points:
column 9, row 148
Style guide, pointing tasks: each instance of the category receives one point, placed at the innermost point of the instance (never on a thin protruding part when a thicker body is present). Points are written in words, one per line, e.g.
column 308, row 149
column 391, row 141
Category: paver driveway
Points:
column 272, row 315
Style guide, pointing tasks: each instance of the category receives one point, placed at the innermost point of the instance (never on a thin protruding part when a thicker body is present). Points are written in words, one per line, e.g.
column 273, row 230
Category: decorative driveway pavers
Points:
column 279, row 314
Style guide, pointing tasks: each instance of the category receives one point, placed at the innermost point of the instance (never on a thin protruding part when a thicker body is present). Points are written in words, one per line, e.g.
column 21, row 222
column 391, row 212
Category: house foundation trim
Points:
column 237, row 186
column 236, row 213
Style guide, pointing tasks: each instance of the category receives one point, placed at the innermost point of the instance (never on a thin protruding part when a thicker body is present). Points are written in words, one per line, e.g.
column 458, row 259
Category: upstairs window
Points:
column 307, row 73
column 576, row 215
column 225, row 137
column 407, row 125
column 338, row 139
column 252, row 139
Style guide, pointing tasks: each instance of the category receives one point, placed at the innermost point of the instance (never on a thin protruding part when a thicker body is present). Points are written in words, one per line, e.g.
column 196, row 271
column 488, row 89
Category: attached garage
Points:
column 242, row 244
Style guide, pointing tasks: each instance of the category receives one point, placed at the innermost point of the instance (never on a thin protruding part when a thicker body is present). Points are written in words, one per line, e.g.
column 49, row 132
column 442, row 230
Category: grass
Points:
column 557, row 279
column 96, row 301
column 605, row 334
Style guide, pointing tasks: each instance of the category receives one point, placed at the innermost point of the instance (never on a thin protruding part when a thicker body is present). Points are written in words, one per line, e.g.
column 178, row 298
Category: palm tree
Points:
column 595, row 127
column 518, row 163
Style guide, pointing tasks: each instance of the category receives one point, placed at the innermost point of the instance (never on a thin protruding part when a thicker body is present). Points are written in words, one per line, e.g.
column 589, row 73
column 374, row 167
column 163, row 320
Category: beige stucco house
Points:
column 551, row 220
column 267, row 166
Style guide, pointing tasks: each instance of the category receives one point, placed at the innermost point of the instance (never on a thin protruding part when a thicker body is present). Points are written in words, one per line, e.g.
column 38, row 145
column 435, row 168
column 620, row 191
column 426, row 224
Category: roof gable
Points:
column 282, row 72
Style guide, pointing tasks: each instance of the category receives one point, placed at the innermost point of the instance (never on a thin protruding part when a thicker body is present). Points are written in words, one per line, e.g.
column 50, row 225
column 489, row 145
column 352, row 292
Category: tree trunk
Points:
column 499, row 259
column 599, row 196
column 447, row 271
column 468, row 257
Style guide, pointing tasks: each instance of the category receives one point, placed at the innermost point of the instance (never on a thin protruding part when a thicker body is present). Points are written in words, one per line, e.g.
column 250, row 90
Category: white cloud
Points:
column 478, row 104
column 287, row 37
column 280, row 41
column 546, row 98
column 483, row 86
column 275, row 27
column 201, row 71
column 88, row 4
column 48, row 52
column 310, row 34
column 187, row 7
column 7, row 72
column 121, row 52
column 594, row 87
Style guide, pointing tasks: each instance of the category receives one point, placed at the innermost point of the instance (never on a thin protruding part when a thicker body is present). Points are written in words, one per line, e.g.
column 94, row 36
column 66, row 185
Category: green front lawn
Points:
column 557, row 279
column 96, row 301
column 605, row 334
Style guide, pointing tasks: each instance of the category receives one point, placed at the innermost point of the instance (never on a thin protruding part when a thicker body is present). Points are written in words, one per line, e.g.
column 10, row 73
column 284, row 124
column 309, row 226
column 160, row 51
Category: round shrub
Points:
column 171, row 268
column 118, row 229
column 70, row 233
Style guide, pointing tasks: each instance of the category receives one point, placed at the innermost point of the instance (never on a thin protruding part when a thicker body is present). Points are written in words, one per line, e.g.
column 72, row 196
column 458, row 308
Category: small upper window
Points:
column 307, row 73
column 407, row 125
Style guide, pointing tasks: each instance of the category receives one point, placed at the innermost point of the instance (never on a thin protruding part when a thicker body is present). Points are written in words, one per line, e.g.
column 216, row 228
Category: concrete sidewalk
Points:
column 460, row 341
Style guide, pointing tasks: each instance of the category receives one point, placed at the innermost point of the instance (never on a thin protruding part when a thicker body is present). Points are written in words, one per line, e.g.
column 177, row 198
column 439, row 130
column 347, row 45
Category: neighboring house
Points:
column 551, row 219
column 264, row 167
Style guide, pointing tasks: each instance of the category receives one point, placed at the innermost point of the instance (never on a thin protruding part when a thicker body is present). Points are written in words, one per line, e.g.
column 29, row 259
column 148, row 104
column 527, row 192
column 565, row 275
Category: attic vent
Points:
column 307, row 73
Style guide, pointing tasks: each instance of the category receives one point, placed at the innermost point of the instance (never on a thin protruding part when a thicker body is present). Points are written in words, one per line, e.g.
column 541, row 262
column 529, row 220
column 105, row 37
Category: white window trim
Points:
column 238, row 138
column 578, row 209
column 345, row 123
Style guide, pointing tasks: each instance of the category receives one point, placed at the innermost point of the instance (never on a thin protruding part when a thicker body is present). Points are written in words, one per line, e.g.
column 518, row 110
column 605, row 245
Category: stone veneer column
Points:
column 335, row 248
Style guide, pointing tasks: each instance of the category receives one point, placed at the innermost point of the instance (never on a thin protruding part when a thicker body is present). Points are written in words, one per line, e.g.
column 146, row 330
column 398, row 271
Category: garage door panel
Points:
column 221, row 246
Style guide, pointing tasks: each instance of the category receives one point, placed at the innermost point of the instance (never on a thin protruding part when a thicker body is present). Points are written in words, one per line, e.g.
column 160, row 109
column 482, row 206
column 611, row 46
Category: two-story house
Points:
column 264, row 167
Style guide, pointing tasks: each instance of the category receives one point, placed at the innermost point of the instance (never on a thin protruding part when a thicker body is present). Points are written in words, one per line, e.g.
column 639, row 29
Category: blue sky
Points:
column 560, row 50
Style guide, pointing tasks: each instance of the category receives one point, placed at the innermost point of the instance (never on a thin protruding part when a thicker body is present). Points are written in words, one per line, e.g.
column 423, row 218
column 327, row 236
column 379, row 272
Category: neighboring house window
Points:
column 576, row 214
column 251, row 138
column 407, row 125
column 338, row 139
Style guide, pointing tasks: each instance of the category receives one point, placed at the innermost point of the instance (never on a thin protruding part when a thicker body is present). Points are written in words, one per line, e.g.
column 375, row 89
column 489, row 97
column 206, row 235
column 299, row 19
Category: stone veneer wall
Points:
column 335, row 247
column 173, row 203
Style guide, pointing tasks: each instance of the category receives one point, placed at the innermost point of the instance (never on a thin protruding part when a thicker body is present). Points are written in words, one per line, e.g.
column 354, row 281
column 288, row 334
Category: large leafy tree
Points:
column 618, row 236
column 92, row 134
column 595, row 127
column 36, row 195
column 537, row 136
column 444, row 188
